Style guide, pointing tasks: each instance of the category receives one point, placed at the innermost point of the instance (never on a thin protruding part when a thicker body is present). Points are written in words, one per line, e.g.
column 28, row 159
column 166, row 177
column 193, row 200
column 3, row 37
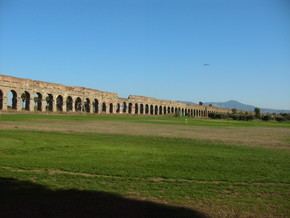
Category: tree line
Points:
column 248, row 116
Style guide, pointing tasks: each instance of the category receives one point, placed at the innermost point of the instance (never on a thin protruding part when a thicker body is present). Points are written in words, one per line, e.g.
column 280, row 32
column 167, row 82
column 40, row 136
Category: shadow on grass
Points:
column 26, row 199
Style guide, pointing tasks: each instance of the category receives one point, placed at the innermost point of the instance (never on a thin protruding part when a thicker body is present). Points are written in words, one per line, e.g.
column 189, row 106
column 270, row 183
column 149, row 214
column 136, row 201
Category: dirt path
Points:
column 149, row 179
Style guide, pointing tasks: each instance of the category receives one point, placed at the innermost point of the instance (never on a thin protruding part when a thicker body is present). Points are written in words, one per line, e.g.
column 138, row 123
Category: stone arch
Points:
column 136, row 108
column 96, row 105
column 118, row 108
column 124, row 107
column 146, row 109
column 12, row 100
column 69, row 104
column 151, row 109
column 1, row 99
column 78, row 104
column 111, row 108
column 130, row 108
column 38, row 101
column 87, row 105
column 59, row 103
column 49, row 102
column 164, row 110
column 176, row 111
column 25, row 97
column 141, row 108
column 168, row 110
column 104, row 107
column 182, row 112
column 160, row 109
column 172, row 110
column 156, row 110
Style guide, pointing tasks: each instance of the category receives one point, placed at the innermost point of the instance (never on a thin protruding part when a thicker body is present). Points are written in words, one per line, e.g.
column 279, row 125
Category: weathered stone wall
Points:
column 29, row 95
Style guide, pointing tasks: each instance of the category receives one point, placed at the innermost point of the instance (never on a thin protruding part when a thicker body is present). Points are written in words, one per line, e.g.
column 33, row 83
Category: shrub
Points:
column 280, row 118
column 266, row 117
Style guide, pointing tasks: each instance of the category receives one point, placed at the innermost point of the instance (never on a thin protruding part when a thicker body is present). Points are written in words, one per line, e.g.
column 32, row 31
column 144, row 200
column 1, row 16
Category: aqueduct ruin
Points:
column 17, row 94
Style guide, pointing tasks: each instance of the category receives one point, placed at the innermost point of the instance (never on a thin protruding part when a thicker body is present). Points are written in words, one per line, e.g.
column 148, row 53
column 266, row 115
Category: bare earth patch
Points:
column 261, row 136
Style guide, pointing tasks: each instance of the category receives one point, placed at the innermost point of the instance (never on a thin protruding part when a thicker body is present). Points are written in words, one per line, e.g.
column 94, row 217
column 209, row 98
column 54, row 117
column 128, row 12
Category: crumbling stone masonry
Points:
column 18, row 94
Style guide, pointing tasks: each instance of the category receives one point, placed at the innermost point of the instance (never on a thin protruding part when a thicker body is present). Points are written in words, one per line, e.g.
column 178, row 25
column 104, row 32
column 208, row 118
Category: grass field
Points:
column 169, row 166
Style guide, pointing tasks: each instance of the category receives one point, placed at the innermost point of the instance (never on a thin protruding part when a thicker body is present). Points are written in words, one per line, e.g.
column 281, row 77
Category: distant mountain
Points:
column 244, row 107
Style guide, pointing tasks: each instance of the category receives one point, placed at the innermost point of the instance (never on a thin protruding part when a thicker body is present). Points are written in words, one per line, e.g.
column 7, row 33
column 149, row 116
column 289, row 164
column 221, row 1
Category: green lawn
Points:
column 208, row 176
column 144, row 119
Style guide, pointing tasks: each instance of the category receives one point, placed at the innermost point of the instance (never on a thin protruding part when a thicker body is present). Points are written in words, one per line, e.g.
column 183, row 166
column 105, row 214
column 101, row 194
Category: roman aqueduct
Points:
column 18, row 94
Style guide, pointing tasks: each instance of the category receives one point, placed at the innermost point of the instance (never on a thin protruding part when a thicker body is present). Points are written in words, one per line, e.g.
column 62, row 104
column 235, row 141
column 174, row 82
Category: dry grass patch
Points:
column 254, row 136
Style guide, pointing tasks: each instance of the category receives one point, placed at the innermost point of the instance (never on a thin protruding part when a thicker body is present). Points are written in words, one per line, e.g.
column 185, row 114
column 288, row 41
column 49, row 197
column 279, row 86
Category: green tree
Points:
column 257, row 112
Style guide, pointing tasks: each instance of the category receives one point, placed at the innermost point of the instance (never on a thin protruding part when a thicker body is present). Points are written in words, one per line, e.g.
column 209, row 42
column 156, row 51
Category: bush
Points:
column 266, row 117
column 250, row 117
column 286, row 116
column 280, row 118
column 218, row 116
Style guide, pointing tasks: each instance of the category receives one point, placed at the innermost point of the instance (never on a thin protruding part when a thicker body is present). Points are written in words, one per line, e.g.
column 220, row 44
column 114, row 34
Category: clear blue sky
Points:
column 153, row 47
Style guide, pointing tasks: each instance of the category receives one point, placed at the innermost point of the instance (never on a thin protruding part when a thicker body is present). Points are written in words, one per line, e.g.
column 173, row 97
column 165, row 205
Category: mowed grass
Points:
column 209, row 176
column 143, row 119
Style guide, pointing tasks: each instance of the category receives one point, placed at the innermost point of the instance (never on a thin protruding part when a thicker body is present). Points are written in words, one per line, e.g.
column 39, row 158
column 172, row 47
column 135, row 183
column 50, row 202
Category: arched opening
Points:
column 172, row 110
column 1, row 99
column 78, row 104
column 168, row 110
column 146, row 109
column 25, row 97
column 160, row 109
column 164, row 110
column 182, row 112
column 136, row 108
column 141, row 108
column 49, row 102
column 96, row 106
column 87, row 105
column 118, row 110
column 151, row 110
column 38, row 102
column 124, row 107
column 12, row 100
column 130, row 108
column 156, row 110
column 111, row 108
column 104, row 107
column 59, row 103
column 176, row 111
column 69, row 104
